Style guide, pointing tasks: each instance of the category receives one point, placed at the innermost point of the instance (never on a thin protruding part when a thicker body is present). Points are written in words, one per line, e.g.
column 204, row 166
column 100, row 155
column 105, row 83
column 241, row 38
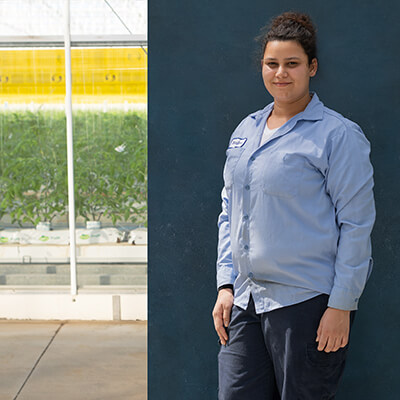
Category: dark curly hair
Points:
column 291, row 26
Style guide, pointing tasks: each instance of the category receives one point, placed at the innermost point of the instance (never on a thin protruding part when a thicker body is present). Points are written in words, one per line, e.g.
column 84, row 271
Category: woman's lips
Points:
column 281, row 84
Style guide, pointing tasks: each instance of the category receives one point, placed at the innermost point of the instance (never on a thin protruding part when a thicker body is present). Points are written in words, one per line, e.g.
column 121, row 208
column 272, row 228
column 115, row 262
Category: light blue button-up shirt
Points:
column 298, row 211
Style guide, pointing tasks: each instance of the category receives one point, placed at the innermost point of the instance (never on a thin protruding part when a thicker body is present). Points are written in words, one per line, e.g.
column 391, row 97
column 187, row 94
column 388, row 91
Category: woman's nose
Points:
column 281, row 72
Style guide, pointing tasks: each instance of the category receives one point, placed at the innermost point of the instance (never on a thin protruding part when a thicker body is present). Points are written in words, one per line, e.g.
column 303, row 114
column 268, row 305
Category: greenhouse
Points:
column 73, row 159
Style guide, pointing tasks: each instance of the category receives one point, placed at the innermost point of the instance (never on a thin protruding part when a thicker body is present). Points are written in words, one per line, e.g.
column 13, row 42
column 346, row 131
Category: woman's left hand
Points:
column 333, row 330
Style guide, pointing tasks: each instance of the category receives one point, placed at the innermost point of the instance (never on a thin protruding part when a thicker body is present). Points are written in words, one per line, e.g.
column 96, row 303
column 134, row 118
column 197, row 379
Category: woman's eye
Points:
column 272, row 64
column 292, row 64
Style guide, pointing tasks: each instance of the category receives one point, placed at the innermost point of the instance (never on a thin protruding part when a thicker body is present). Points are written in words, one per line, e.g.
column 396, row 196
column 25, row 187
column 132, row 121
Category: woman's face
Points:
column 286, row 72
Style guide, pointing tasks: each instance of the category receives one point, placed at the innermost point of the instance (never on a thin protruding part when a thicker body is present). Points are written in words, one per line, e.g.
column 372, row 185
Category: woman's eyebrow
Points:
column 287, row 58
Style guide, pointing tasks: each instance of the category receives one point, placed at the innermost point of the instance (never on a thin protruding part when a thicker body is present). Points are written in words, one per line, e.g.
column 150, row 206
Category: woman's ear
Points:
column 313, row 67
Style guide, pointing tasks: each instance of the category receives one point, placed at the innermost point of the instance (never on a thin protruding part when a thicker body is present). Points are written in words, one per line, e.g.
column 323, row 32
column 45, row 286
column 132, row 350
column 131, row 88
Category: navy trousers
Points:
column 274, row 356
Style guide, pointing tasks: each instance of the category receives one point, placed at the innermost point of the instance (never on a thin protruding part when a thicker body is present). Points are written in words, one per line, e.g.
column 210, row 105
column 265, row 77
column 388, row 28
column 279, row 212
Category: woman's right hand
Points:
column 222, row 313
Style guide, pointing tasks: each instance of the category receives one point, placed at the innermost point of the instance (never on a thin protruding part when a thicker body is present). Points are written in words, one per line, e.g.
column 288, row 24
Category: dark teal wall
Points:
column 202, row 82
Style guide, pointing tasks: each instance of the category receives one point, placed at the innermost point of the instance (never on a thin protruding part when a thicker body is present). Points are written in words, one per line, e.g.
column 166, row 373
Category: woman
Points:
column 294, row 249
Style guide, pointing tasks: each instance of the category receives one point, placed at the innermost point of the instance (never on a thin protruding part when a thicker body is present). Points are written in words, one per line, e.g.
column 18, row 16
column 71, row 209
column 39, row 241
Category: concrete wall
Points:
column 34, row 305
column 202, row 82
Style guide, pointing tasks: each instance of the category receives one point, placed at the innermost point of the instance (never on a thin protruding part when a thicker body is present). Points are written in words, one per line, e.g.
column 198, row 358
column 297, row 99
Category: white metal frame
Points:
column 76, row 41
column 70, row 149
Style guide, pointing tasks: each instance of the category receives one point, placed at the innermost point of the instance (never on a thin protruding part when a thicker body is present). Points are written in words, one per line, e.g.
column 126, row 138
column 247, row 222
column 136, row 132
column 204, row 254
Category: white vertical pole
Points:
column 70, row 148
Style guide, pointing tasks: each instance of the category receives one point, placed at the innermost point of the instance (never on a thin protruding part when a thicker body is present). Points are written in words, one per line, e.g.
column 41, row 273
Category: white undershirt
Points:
column 267, row 134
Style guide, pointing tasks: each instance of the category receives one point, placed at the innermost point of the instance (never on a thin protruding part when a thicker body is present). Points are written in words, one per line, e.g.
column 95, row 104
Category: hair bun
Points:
column 295, row 18
column 302, row 19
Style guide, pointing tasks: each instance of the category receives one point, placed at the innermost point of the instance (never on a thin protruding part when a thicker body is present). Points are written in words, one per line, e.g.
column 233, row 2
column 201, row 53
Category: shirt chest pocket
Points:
column 282, row 174
column 232, row 157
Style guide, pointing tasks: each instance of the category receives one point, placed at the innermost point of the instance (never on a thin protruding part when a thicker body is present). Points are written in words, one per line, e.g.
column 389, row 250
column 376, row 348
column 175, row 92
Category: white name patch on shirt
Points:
column 237, row 142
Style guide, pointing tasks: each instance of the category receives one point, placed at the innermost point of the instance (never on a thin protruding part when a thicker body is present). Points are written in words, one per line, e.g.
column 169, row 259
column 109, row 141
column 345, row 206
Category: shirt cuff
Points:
column 227, row 286
column 343, row 299
column 225, row 275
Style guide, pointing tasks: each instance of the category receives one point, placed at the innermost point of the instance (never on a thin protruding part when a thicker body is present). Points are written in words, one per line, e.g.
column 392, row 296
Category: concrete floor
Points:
column 73, row 360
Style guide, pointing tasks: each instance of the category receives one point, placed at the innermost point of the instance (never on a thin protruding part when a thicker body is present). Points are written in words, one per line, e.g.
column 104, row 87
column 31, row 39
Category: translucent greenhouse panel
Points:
column 99, row 76
column 110, row 134
column 33, row 166
column 94, row 17
column 32, row 139
column 110, row 145
column 109, row 95
column 110, row 148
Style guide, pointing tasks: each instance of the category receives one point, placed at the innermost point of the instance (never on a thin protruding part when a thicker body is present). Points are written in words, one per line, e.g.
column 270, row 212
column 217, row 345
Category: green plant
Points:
column 33, row 166
column 110, row 165
column 111, row 168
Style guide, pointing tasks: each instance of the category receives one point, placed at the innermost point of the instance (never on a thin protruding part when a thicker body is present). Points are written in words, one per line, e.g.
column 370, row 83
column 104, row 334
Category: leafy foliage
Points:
column 110, row 165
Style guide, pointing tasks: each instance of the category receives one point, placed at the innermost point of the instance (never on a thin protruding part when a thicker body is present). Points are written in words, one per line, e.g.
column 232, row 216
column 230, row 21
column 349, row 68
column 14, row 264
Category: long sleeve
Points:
column 225, row 270
column 349, row 182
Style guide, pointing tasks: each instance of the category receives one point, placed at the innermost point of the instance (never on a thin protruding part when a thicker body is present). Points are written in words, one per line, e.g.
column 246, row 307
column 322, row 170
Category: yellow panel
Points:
column 113, row 74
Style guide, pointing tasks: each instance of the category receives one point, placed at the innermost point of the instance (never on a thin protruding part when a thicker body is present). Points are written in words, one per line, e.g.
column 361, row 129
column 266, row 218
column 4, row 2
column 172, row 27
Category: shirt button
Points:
column 247, row 187
column 252, row 158
column 245, row 217
column 246, row 247
column 250, row 275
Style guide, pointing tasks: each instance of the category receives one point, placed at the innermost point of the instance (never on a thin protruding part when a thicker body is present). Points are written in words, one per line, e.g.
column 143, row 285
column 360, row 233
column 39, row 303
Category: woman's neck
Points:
column 283, row 111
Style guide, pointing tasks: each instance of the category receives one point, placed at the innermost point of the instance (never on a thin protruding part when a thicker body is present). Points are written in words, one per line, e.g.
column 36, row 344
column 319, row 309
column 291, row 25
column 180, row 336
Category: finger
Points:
column 322, row 342
column 318, row 334
column 330, row 345
column 226, row 316
column 223, row 336
column 222, row 341
column 344, row 342
column 216, row 319
column 219, row 327
column 221, row 332
column 337, row 345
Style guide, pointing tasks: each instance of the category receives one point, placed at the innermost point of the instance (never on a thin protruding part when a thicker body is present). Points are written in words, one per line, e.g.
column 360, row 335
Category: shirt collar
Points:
column 313, row 111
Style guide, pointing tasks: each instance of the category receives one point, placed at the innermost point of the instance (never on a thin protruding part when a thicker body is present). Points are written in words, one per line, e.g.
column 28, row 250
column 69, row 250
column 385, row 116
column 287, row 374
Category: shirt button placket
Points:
column 245, row 211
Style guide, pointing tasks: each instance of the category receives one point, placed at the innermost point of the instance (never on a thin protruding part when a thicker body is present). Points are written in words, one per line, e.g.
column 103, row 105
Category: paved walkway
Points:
column 73, row 360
